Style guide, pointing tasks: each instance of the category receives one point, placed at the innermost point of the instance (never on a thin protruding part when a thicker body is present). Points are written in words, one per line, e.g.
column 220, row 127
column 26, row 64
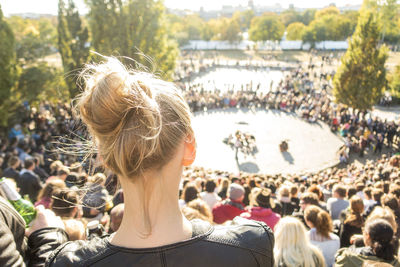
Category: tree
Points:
column 330, row 26
column 72, row 43
column 394, row 80
column 361, row 77
column 331, row 10
column 35, row 38
column 387, row 11
column 307, row 16
column 290, row 16
column 295, row 31
column 243, row 18
column 266, row 27
column 135, row 29
column 7, row 68
column 40, row 83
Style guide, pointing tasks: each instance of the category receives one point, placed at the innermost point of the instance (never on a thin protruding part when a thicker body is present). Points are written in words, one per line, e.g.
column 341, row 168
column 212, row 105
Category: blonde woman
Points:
column 142, row 130
column 293, row 247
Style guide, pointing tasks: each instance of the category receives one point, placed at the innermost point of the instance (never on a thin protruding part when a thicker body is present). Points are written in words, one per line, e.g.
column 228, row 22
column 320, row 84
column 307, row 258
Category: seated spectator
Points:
column 261, row 210
column 11, row 170
column 376, row 196
column 284, row 205
column 390, row 201
column 29, row 182
column 199, row 205
column 336, row 204
column 381, row 245
column 231, row 207
column 45, row 195
column 223, row 188
column 294, row 196
column 189, row 193
column 66, row 205
column 96, row 197
column 61, row 173
column 368, row 201
column 306, row 200
column 320, row 233
column 292, row 246
column 116, row 215
column 315, row 189
column 43, row 175
column 209, row 196
column 353, row 222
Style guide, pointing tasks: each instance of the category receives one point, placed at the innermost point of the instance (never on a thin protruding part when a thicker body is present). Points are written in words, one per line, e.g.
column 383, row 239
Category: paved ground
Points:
column 390, row 113
column 312, row 147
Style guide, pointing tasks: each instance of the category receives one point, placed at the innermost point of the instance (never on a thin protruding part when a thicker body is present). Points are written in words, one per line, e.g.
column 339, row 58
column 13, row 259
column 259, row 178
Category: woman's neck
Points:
column 168, row 225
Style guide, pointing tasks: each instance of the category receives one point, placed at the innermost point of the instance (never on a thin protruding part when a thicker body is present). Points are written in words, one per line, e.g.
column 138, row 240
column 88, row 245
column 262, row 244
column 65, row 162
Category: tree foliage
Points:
column 361, row 77
column 388, row 13
column 394, row 81
column 328, row 25
column 295, row 31
column 72, row 43
column 40, row 83
column 35, row 38
column 133, row 28
column 266, row 27
column 243, row 18
column 7, row 68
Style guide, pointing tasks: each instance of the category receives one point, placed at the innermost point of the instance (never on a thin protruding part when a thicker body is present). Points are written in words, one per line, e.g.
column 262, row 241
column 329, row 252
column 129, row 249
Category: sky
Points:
column 50, row 6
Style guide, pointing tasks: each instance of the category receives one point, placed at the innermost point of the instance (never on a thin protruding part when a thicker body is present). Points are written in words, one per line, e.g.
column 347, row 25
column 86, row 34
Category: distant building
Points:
column 31, row 15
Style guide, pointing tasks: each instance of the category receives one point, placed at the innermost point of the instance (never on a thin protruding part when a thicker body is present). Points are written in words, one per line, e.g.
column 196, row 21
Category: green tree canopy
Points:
column 361, row 77
column 266, row 27
column 41, row 83
column 133, row 28
column 388, row 13
column 35, row 38
column 295, row 31
column 7, row 68
column 290, row 16
column 72, row 43
column 394, row 80
column 243, row 18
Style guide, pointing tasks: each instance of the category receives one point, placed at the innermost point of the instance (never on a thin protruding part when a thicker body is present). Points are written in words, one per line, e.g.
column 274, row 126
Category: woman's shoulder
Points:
column 242, row 238
column 243, row 232
column 243, row 235
column 352, row 256
column 77, row 253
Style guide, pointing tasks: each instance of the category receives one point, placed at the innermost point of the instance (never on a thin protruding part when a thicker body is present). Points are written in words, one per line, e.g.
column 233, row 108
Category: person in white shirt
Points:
column 320, row 233
column 209, row 196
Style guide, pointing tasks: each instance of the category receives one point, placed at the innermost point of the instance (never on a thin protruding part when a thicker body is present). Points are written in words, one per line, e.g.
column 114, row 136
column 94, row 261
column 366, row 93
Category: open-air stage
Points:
column 312, row 146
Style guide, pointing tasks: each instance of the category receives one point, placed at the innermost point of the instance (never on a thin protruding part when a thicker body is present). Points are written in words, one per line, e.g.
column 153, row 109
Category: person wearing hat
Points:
column 230, row 207
column 261, row 208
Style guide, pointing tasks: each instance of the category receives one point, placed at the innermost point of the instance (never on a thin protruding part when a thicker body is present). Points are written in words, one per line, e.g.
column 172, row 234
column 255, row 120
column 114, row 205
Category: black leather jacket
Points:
column 15, row 249
column 244, row 243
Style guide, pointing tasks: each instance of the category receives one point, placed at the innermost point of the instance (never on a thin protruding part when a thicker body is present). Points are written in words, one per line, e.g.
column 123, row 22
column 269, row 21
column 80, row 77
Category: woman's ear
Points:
column 189, row 151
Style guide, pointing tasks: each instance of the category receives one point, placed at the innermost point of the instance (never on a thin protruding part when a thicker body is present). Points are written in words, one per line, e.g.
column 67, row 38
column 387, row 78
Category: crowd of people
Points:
column 342, row 216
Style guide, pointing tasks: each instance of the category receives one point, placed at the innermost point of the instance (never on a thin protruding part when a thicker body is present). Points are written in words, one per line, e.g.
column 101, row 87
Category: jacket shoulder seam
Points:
column 235, row 245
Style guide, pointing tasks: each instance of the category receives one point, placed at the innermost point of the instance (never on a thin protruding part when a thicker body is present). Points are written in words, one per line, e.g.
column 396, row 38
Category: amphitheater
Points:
column 312, row 146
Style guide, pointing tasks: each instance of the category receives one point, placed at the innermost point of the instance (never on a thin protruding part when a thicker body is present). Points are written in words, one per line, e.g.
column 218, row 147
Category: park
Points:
column 211, row 133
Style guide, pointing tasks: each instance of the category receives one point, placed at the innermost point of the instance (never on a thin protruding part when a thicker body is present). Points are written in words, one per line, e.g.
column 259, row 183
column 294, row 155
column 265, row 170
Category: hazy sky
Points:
column 50, row 6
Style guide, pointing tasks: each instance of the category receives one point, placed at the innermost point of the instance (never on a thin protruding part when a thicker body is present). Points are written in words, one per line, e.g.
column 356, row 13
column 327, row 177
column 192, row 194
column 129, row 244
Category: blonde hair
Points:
column 293, row 247
column 136, row 122
column 202, row 207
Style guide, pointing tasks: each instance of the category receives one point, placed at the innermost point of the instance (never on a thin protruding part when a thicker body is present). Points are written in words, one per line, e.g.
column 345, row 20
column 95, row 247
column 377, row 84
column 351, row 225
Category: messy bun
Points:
column 135, row 119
